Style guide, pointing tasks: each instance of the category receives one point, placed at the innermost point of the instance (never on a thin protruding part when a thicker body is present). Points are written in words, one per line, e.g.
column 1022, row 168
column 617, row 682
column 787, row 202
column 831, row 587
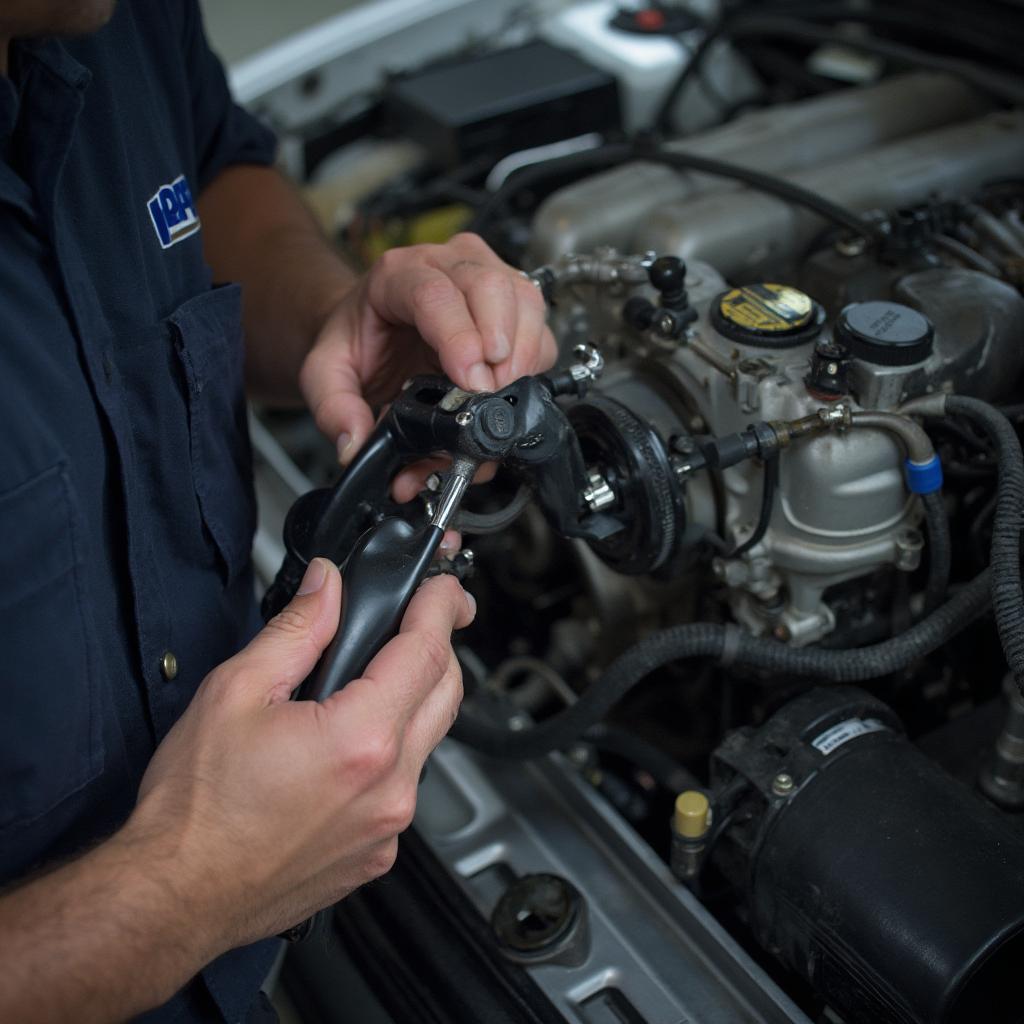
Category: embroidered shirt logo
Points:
column 173, row 212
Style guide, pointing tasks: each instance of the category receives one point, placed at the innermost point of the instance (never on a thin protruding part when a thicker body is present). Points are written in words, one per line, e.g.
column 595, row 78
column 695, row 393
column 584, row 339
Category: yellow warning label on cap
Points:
column 767, row 308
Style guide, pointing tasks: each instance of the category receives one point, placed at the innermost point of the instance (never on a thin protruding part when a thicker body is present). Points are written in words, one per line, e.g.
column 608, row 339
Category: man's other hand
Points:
column 276, row 808
column 455, row 307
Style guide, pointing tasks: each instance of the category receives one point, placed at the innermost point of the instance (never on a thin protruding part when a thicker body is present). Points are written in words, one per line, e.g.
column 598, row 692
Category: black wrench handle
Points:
column 381, row 575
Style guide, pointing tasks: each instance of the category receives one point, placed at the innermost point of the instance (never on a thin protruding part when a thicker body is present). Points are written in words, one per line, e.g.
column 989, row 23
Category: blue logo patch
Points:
column 173, row 212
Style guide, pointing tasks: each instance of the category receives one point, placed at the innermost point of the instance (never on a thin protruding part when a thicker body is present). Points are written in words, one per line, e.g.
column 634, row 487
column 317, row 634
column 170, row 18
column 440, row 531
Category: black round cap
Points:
column 667, row 273
column 498, row 419
column 885, row 333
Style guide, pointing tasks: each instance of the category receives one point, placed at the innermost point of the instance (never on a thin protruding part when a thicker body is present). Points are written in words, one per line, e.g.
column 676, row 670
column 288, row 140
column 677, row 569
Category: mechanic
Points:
column 164, row 807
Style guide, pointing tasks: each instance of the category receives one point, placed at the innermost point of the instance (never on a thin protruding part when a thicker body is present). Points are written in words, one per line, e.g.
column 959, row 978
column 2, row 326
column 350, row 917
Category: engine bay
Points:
column 743, row 736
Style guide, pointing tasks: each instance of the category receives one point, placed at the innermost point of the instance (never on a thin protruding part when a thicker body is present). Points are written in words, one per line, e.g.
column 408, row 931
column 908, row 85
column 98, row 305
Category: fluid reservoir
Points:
column 891, row 887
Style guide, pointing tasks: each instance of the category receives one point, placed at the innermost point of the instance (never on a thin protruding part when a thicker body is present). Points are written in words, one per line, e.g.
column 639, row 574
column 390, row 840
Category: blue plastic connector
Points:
column 924, row 477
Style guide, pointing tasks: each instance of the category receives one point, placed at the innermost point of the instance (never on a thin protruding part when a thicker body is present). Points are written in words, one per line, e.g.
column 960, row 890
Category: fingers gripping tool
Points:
column 386, row 550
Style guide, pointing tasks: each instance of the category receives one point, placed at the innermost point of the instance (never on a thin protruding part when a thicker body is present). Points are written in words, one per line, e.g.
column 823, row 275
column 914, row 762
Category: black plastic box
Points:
column 503, row 102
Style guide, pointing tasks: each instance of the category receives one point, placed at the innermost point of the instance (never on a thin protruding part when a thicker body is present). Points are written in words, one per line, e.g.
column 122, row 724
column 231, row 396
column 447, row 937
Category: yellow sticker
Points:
column 767, row 308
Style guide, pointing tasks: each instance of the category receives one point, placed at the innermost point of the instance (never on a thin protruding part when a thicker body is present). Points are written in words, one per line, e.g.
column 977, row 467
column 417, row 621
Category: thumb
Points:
column 284, row 652
column 334, row 395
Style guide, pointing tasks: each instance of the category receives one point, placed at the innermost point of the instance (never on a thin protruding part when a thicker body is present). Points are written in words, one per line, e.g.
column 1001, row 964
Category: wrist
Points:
column 171, row 870
column 106, row 936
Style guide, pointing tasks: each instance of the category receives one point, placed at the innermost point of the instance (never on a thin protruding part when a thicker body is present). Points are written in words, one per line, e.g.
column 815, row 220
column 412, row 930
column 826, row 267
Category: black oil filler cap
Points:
column 885, row 333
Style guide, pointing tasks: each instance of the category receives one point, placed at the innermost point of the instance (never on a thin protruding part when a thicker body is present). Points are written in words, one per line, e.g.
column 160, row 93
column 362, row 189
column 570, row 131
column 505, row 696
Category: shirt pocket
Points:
column 208, row 337
column 50, row 728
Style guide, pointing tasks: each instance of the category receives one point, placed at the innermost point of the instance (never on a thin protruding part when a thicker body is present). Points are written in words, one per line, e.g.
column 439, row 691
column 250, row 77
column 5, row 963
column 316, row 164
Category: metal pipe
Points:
column 276, row 458
column 1002, row 778
column 966, row 255
column 918, row 445
column 997, row 232
column 925, row 405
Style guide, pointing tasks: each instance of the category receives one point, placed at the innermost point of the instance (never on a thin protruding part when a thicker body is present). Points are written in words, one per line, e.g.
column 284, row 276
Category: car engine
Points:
column 755, row 750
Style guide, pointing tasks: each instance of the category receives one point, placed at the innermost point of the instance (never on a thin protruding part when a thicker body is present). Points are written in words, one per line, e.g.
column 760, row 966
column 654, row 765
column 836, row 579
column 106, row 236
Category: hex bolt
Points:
column 433, row 483
column 851, row 246
column 782, row 784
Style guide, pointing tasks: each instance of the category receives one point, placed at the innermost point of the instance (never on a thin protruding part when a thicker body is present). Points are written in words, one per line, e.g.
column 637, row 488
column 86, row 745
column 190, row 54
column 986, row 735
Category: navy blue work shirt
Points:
column 126, row 503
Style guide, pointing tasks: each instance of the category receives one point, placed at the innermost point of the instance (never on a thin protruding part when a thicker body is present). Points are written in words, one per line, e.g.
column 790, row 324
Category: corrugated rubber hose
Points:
column 1007, row 594
column 734, row 646
column 940, row 550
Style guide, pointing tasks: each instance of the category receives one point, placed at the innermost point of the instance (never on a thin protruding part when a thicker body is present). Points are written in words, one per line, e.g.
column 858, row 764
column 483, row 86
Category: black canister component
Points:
column 885, row 333
column 867, row 869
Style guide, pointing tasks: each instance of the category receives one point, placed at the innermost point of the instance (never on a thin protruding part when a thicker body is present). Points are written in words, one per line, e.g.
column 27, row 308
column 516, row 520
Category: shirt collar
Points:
column 50, row 53
column 24, row 53
column 35, row 63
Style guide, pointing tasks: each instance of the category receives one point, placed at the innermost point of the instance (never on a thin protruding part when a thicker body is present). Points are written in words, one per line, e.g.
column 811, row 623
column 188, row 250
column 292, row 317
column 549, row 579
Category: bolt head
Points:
column 783, row 784
column 464, row 418
column 852, row 246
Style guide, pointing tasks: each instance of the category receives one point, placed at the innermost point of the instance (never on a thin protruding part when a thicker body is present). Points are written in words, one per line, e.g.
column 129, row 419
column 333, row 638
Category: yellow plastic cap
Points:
column 692, row 813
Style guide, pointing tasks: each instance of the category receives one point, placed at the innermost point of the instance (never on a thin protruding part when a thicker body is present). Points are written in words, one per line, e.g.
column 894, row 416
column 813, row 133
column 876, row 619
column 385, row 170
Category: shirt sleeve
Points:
column 225, row 134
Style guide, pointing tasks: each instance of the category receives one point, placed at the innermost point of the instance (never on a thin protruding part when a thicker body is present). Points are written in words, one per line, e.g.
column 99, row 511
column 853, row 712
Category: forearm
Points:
column 257, row 232
column 101, row 938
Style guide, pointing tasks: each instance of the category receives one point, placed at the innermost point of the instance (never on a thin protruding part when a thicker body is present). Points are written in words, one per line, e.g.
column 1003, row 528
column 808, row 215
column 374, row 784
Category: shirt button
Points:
column 169, row 665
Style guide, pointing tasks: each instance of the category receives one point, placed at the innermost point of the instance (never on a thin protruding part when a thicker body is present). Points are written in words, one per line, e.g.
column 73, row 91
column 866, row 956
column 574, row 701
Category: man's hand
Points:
column 348, row 343
column 286, row 807
column 254, row 813
column 454, row 307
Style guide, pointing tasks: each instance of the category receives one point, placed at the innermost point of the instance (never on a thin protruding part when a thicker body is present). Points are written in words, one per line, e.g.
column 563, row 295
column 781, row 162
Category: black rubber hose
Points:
column 768, row 487
column 747, row 26
column 1002, row 86
column 1007, row 593
column 731, row 644
column 593, row 160
column 662, row 122
column 940, row 550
